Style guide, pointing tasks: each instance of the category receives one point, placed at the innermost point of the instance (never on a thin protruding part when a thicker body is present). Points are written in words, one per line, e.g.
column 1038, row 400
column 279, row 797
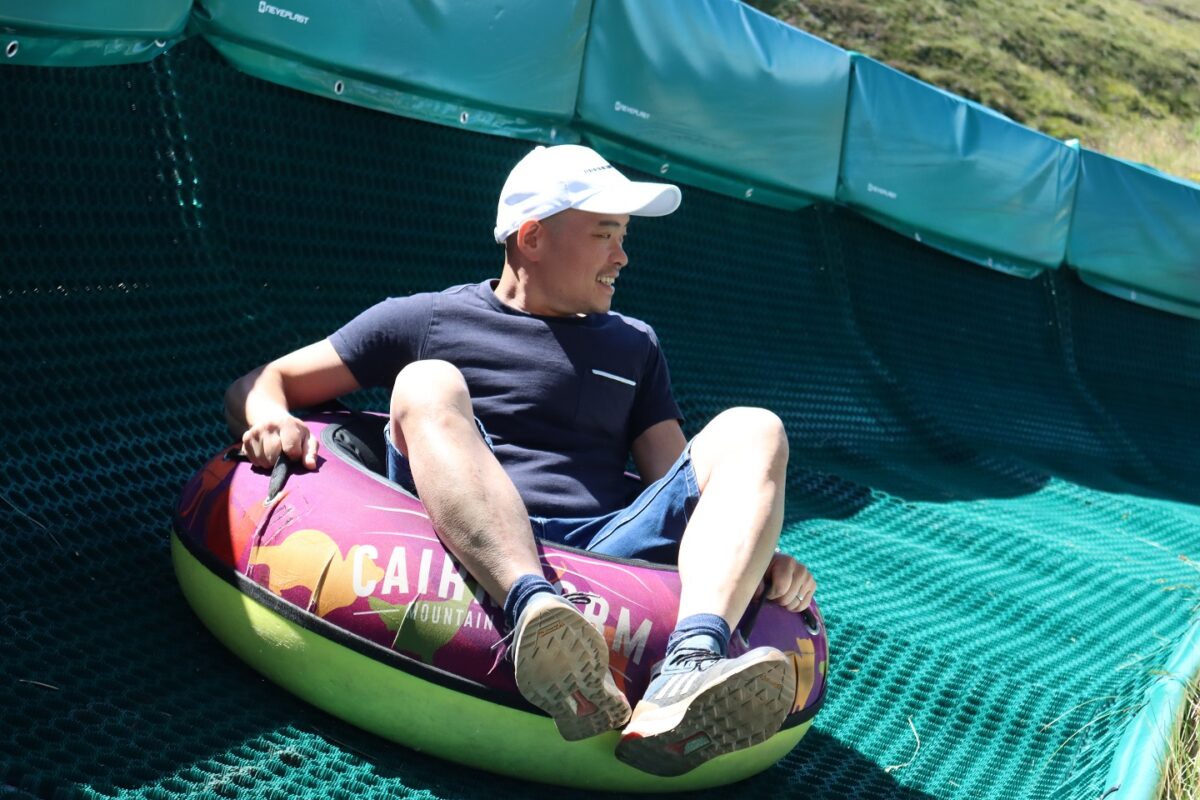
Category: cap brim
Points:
column 636, row 198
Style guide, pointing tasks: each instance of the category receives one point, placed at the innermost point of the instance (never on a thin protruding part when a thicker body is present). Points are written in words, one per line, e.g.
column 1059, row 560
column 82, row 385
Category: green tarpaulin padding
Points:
column 85, row 34
column 509, row 67
column 1152, row 737
column 715, row 94
column 954, row 174
column 1136, row 234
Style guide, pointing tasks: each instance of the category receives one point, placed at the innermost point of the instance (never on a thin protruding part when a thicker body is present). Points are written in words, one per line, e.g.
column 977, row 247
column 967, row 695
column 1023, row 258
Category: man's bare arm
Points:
column 657, row 448
column 258, row 404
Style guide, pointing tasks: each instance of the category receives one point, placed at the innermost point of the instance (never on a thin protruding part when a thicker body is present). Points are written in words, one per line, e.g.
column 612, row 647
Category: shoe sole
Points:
column 742, row 709
column 561, row 667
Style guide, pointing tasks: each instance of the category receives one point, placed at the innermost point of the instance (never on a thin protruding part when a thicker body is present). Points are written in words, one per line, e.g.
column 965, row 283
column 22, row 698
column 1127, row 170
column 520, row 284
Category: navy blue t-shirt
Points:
column 563, row 398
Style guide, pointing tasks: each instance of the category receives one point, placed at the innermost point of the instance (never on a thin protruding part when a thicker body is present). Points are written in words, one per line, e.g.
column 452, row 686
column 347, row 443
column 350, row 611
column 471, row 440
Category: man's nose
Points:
column 619, row 256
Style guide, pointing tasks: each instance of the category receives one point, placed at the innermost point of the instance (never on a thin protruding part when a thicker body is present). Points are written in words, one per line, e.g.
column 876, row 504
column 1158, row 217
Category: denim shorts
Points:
column 649, row 528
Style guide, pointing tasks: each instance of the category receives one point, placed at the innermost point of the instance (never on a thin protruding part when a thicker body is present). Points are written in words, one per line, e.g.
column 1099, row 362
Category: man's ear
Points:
column 530, row 238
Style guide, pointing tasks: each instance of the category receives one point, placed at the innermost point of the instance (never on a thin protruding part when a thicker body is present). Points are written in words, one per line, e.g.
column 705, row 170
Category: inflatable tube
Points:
column 333, row 584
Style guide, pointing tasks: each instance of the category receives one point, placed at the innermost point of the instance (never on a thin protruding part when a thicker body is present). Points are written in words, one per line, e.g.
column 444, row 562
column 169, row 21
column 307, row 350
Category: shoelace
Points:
column 580, row 598
column 695, row 657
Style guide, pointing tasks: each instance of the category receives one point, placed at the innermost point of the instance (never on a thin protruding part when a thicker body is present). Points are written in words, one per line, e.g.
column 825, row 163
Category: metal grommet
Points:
column 160, row 42
column 12, row 48
column 663, row 169
column 463, row 117
column 339, row 87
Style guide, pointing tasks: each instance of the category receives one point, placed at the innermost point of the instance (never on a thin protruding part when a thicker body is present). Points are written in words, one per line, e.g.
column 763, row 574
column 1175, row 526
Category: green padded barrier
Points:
column 1153, row 736
column 954, row 174
column 995, row 481
column 715, row 94
column 1136, row 234
column 89, row 33
column 509, row 67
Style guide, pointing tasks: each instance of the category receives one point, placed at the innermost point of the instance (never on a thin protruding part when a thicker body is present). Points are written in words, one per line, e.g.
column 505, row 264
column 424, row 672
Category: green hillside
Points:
column 1122, row 76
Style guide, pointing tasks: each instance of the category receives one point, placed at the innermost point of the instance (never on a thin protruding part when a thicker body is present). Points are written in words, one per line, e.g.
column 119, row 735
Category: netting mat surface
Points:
column 995, row 480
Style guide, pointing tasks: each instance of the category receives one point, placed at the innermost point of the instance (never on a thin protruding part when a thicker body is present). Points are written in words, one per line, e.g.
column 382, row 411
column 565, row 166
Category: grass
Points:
column 1119, row 75
column 1181, row 776
column 1170, row 145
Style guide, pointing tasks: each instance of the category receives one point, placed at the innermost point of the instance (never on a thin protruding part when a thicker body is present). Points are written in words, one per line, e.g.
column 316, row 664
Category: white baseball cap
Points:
column 552, row 179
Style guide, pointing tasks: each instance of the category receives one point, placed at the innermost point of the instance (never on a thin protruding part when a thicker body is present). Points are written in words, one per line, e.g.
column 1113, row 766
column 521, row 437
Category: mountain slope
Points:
column 1123, row 76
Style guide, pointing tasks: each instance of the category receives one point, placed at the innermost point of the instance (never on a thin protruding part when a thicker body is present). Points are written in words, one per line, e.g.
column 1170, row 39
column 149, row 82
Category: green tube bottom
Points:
column 428, row 717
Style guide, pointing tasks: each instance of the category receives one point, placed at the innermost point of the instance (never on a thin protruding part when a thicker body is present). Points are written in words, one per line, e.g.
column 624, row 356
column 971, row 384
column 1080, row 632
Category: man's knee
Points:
column 426, row 387
column 747, row 430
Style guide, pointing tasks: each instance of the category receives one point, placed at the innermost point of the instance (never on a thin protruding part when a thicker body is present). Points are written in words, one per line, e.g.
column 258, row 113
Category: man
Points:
column 515, row 405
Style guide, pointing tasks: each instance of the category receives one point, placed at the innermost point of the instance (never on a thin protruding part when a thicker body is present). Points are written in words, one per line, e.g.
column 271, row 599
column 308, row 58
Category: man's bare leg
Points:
column 740, row 460
column 471, row 501
column 702, row 704
column 560, row 660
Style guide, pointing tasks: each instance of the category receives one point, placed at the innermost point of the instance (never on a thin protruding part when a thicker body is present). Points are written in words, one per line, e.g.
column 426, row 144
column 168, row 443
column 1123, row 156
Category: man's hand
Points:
column 789, row 583
column 302, row 379
column 287, row 436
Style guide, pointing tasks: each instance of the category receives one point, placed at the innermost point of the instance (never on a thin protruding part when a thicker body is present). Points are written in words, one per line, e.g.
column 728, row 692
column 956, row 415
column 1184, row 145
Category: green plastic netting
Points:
column 995, row 480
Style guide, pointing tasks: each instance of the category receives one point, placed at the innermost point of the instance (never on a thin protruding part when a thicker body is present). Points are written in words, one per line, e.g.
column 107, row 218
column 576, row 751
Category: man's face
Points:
column 582, row 258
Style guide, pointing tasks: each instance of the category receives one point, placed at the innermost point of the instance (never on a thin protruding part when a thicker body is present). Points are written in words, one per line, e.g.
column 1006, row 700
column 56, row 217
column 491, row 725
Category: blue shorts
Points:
column 649, row 528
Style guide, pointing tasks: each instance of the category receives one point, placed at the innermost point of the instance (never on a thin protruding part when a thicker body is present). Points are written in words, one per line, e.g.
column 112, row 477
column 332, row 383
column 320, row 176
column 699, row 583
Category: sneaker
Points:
column 704, row 705
column 561, row 663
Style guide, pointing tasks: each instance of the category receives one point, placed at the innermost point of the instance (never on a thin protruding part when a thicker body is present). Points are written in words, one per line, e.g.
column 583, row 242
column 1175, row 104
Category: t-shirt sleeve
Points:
column 655, row 402
column 382, row 340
